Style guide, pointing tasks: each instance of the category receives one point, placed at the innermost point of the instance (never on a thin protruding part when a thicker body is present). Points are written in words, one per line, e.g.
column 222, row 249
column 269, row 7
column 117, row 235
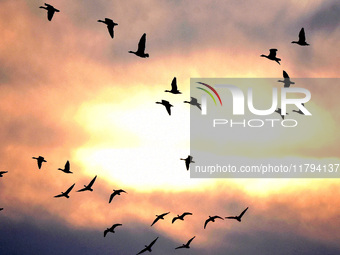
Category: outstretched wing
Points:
column 61, row 195
column 69, row 189
column 111, row 197
column 179, row 247
column 302, row 35
column 231, row 217
column 67, row 166
column 141, row 44
column 188, row 243
column 145, row 249
column 272, row 52
column 206, row 222
column 243, row 212
column 168, row 108
column 152, row 243
column 116, row 225
column 285, row 75
column 174, row 84
column 105, row 232
column 155, row 221
column 91, row 182
column 174, row 219
column 110, row 28
column 186, row 213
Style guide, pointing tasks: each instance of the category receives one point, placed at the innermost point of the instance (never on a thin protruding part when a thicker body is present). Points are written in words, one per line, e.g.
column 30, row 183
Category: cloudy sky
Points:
column 70, row 92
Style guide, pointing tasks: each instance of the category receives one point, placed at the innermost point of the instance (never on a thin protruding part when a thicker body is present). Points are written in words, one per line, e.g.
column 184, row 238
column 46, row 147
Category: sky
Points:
column 70, row 92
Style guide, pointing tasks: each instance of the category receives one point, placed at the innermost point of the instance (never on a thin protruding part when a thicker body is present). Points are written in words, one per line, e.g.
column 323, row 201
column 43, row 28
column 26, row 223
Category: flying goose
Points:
column 186, row 245
column 188, row 160
column 174, row 89
column 286, row 81
column 148, row 247
column 65, row 194
column 194, row 102
column 67, row 168
column 272, row 56
column 141, row 48
column 180, row 217
column 112, row 229
column 2, row 173
column 40, row 160
column 159, row 217
column 302, row 38
column 89, row 186
column 110, row 25
column 238, row 218
column 116, row 192
column 212, row 219
column 167, row 105
column 50, row 11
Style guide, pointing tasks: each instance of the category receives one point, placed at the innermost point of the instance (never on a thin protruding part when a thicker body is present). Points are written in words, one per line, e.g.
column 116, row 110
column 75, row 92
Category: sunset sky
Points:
column 68, row 91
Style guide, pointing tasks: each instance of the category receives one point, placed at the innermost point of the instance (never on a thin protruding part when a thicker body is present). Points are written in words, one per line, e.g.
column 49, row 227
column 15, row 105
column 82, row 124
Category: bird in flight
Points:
column 302, row 38
column 167, row 105
column 116, row 192
column 279, row 112
column 272, row 56
column 180, row 217
column 141, row 48
column 299, row 111
column 65, row 194
column 40, row 160
column 50, row 11
column 110, row 25
column 188, row 160
column 194, row 102
column 212, row 219
column 174, row 89
column 1, row 209
column 186, row 245
column 159, row 217
column 238, row 218
column 148, row 247
column 2, row 173
column 286, row 81
column 67, row 168
column 89, row 186
column 112, row 229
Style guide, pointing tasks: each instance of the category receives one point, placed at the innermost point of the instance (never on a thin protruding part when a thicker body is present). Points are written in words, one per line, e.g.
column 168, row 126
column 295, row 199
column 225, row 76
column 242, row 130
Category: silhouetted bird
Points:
column 148, row 247
column 272, row 56
column 50, row 11
column 302, row 38
column 180, row 217
column 212, row 219
column 194, row 102
column 238, row 218
column 116, row 192
column 65, row 194
column 67, row 168
column 159, row 217
column 2, row 173
column 174, row 89
column 89, row 186
column 299, row 111
column 286, row 80
column 186, row 245
column 188, row 160
column 141, row 48
column 111, row 229
column 110, row 25
column 167, row 105
column 1, row 209
column 40, row 160
column 279, row 112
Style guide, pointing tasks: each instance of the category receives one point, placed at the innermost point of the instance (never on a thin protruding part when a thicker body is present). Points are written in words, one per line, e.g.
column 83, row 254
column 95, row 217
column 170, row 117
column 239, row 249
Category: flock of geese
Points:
column 140, row 52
